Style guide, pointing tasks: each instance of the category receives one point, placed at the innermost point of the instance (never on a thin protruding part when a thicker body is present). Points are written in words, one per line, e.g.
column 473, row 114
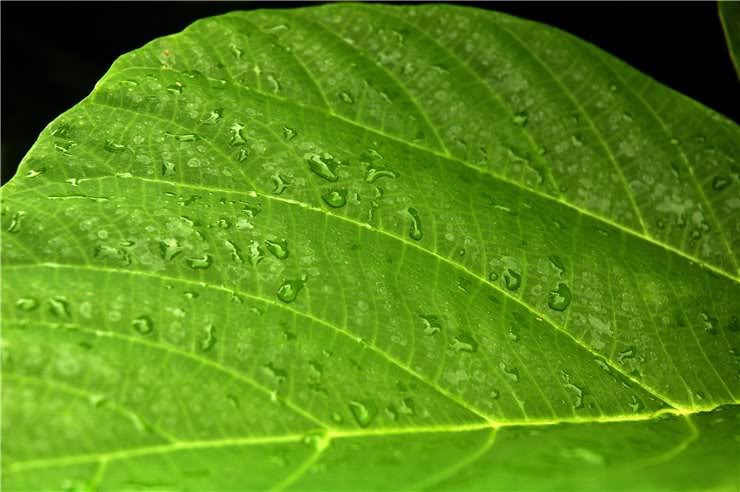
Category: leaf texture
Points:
column 376, row 247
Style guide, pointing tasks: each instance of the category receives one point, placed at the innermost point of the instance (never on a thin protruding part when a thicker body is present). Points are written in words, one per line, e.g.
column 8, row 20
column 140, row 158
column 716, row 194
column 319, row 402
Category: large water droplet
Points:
column 280, row 183
column 256, row 253
column 364, row 411
column 512, row 373
column 464, row 342
column 325, row 166
column 278, row 248
column 415, row 231
column 59, row 307
column 237, row 138
column 335, row 198
column 143, row 324
column 169, row 248
column 559, row 298
column 432, row 324
column 289, row 289
column 512, row 279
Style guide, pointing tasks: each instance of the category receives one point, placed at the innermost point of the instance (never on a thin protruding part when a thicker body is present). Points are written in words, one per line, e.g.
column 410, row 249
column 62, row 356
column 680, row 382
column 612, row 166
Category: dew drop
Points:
column 431, row 324
column 464, row 342
column 223, row 223
column 105, row 252
column 325, row 166
column 521, row 118
column 557, row 263
column 143, row 324
column 374, row 174
column 280, row 183
column 234, row 251
column 59, row 307
column 289, row 133
column 346, row 97
column 512, row 279
column 636, row 404
column 183, row 137
column 32, row 173
column 16, row 222
column 242, row 155
column 719, row 183
column 278, row 248
column 364, row 411
column 237, row 138
column 168, row 168
column 26, row 304
column 493, row 276
column 289, row 289
column 335, row 198
column 511, row 373
column 560, row 297
column 256, row 253
column 415, row 231
column 169, row 248
column 114, row 147
column 214, row 116
column 200, row 262
column 210, row 338
column 177, row 88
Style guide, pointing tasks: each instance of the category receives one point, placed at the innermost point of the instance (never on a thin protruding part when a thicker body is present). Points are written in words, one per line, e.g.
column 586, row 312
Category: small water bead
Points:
column 16, row 222
column 256, row 253
column 280, row 184
column 289, row 133
column 26, row 304
column 709, row 322
column 183, row 137
column 143, row 324
column 169, row 248
column 223, row 223
column 325, row 166
column 288, row 291
column 177, row 88
column 200, row 262
column 415, row 231
column 431, row 323
column 59, row 307
column 236, row 50
column 346, row 97
column 493, row 276
column 512, row 373
column 234, row 251
column 374, row 174
column 278, row 248
column 210, row 338
column 521, row 118
column 242, row 155
column 557, row 263
column 168, row 169
column 464, row 342
column 237, row 138
column 636, row 404
column 512, row 279
column 560, row 297
column 114, row 147
column 335, row 198
column 719, row 183
column 364, row 411
column 214, row 116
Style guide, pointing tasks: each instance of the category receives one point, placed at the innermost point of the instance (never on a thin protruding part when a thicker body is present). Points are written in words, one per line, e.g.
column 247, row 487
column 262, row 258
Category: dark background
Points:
column 54, row 52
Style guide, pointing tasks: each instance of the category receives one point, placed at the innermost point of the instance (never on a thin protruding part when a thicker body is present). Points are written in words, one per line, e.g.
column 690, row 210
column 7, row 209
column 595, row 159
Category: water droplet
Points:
column 493, row 276
column 237, row 138
column 660, row 223
column 415, row 231
column 114, row 147
column 32, row 173
column 176, row 88
column 289, row 133
column 210, row 338
column 274, row 83
column 316, row 440
column 374, row 174
column 278, row 248
column 364, row 411
column 234, row 251
column 223, row 223
column 256, row 253
column 636, row 404
column 242, row 155
column 59, row 307
column 346, row 97
column 325, row 166
column 720, row 183
column 214, row 116
column 628, row 353
column 16, row 222
column 236, row 50
column 512, row 279
column 431, row 324
column 143, row 324
column 464, row 342
column 709, row 322
column 200, row 262
column 168, row 169
column 183, row 137
column 26, row 304
column 560, row 297
column 511, row 373
column 289, row 289
column 105, row 252
column 521, row 118
column 557, row 263
column 335, row 198
column 280, row 183
column 169, row 248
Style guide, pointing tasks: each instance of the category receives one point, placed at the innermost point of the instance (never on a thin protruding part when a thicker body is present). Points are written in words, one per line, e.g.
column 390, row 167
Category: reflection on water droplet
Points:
column 143, row 324
column 559, row 298
column 278, row 248
column 415, row 231
column 289, row 289
column 512, row 279
column 200, row 262
column 364, row 411
column 335, row 198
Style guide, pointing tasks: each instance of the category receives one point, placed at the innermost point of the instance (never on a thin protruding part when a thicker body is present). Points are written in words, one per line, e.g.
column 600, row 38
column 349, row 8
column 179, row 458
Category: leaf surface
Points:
column 729, row 14
column 404, row 247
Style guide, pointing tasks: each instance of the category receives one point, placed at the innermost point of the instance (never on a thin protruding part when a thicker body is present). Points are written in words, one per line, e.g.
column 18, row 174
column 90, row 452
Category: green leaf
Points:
column 374, row 247
column 729, row 14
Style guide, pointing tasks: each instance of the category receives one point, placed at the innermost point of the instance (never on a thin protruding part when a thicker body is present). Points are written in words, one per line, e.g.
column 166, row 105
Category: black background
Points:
column 54, row 52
